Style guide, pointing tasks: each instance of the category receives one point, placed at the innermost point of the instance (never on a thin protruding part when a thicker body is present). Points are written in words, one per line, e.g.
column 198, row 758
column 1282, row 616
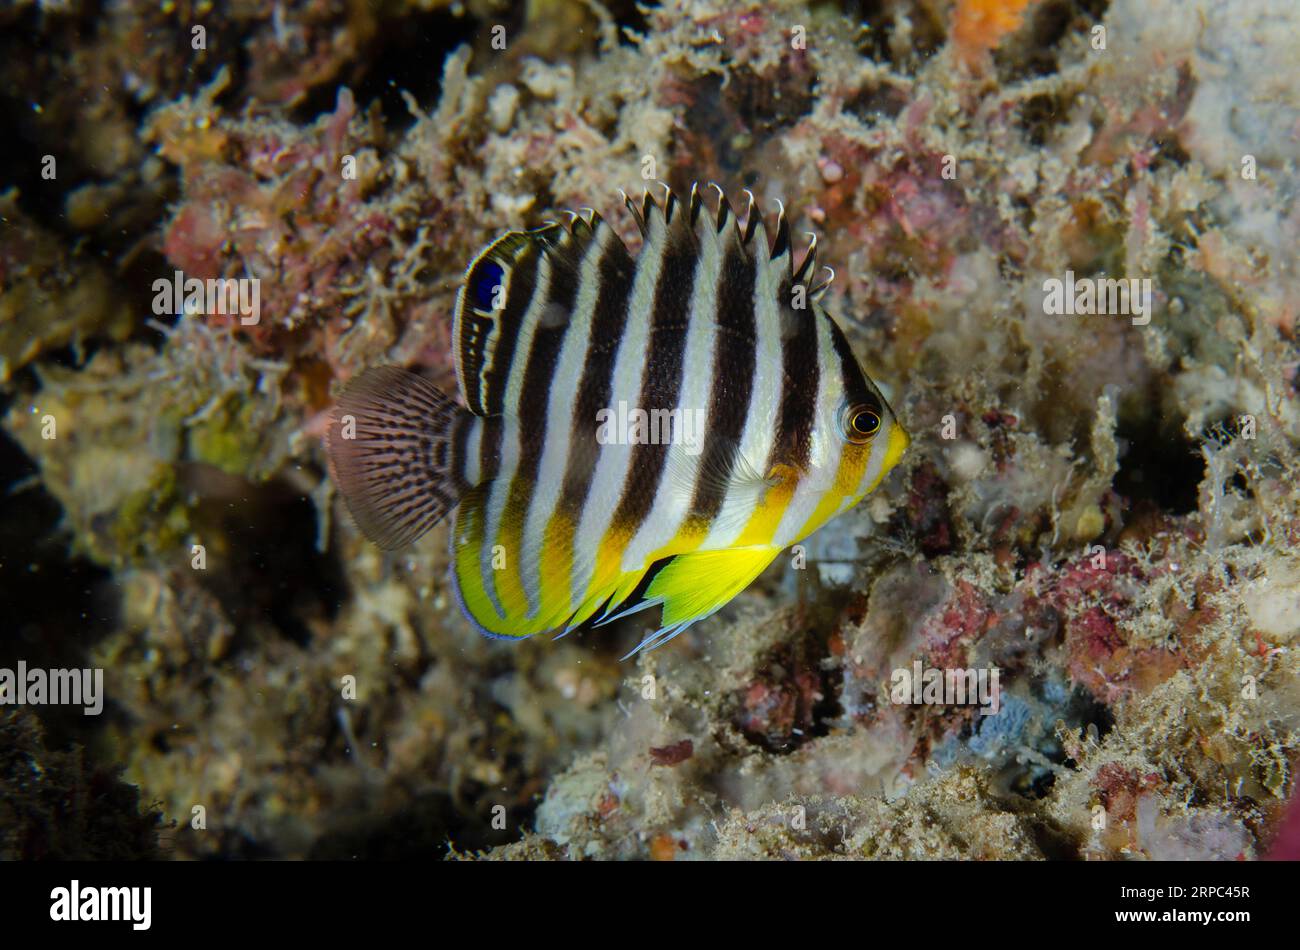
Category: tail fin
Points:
column 395, row 444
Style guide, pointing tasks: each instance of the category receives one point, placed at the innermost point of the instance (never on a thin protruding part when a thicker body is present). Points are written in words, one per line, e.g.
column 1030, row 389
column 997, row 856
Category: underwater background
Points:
column 1102, row 506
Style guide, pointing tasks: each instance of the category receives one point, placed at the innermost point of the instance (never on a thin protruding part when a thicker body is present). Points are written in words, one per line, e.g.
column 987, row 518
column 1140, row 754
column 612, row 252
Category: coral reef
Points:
column 1104, row 508
column 54, row 806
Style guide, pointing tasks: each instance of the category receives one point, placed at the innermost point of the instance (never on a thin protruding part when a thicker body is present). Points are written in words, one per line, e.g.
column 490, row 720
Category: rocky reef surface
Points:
column 1102, row 507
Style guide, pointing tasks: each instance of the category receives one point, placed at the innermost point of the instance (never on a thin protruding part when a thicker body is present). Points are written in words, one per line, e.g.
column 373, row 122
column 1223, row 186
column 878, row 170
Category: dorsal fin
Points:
column 781, row 245
column 493, row 304
column 753, row 220
column 698, row 220
column 775, row 258
column 650, row 208
column 696, row 204
column 819, row 288
column 724, row 208
column 805, row 270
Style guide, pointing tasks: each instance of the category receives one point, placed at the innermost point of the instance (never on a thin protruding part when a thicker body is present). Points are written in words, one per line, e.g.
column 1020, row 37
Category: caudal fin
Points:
column 395, row 445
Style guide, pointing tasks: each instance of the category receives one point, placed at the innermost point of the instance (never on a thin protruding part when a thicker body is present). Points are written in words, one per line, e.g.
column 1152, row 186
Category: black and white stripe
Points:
column 700, row 321
column 629, row 371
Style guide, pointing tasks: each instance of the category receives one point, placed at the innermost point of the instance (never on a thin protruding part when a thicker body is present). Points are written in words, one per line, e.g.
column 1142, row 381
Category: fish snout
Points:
column 899, row 440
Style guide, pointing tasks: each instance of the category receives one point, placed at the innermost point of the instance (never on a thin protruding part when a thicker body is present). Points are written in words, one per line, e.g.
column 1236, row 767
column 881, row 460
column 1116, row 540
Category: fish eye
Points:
column 863, row 423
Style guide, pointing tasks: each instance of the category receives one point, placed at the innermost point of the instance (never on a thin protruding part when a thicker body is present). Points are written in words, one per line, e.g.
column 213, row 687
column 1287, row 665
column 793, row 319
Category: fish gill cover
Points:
column 1063, row 237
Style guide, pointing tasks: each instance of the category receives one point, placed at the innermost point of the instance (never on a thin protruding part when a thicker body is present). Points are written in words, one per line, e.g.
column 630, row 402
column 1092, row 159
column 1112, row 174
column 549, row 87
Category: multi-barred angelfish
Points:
column 560, row 515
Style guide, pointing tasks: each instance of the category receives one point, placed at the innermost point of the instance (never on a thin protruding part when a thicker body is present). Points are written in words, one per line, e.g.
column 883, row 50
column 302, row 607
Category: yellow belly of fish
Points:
column 696, row 581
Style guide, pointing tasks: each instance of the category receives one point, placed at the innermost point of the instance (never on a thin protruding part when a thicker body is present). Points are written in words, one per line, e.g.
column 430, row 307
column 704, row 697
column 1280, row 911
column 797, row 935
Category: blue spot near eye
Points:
column 489, row 277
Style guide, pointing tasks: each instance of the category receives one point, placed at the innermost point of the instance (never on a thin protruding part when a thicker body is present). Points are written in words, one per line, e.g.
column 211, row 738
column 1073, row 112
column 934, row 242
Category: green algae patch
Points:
column 227, row 438
column 151, row 521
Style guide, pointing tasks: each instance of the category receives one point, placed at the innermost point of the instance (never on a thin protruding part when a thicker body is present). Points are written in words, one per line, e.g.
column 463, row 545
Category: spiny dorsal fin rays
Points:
column 650, row 208
column 753, row 221
column 581, row 228
column 708, row 228
column 651, row 205
column 566, row 242
column 781, row 246
column 636, row 212
column 724, row 207
column 753, row 232
column 744, row 228
column 776, row 268
column 771, row 259
column 703, row 224
column 492, row 303
column 820, row 287
column 666, row 214
column 670, row 201
column 809, row 259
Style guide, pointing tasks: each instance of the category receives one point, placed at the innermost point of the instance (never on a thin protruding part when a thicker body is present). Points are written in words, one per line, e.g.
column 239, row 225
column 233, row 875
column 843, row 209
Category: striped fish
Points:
column 637, row 432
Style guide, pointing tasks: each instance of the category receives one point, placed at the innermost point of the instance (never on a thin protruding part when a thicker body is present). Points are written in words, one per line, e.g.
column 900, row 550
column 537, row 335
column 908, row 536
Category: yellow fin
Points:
column 694, row 585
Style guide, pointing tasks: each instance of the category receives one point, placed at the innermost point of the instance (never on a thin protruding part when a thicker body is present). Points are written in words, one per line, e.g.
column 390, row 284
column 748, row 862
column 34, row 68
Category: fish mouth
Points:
column 899, row 440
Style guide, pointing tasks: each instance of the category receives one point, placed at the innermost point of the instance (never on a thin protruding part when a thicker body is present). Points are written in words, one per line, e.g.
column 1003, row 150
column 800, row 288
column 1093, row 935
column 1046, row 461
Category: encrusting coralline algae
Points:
column 1104, row 510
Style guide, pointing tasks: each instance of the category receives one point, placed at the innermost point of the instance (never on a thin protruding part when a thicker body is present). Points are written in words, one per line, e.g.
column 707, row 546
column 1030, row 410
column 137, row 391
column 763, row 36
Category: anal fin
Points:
column 693, row 586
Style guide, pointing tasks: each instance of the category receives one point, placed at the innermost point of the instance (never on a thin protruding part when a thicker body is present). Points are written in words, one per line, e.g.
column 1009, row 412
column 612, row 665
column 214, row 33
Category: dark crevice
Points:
column 407, row 58
column 1159, row 464
column 927, row 31
column 876, row 103
column 791, row 699
column 421, row 831
column 1035, row 49
column 262, row 558
column 1042, row 114
column 56, row 605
